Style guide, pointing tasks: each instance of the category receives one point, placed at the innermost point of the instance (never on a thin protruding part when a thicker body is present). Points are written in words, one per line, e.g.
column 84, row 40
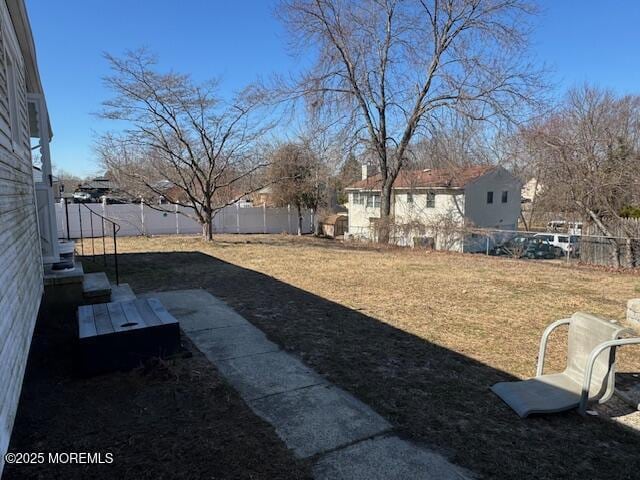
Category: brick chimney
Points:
column 368, row 171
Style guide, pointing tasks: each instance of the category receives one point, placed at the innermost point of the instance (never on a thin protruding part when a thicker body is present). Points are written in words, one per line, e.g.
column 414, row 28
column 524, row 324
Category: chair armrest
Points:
column 543, row 342
column 586, row 384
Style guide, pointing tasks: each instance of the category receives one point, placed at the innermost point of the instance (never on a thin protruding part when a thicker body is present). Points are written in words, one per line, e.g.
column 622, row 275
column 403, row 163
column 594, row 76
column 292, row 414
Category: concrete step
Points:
column 63, row 277
column 122, row 293
column 96, row 287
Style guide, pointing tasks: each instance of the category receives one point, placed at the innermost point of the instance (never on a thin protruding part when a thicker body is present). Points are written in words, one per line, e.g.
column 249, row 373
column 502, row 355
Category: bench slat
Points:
column 86, row 325
column 101, row 316
column 147, row 313
column 160, row 311
column 119, row 318
column 132, row 314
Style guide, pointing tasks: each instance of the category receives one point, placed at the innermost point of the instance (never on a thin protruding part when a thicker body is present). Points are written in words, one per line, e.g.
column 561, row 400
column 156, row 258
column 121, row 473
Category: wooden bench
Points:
column 120, row 335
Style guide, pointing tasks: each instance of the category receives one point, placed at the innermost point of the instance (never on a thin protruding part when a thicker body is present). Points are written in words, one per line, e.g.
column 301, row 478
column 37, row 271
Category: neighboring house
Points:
column 28, row 237
column 438, row 207
column 222, row 196
column 64, row 187
column 530, row 190
column 264, row 196
column 98, row 187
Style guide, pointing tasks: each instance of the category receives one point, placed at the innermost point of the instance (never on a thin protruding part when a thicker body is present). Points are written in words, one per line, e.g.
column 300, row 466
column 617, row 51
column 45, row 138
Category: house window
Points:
column 409, row 197
column 505, row 196
column 489, row 197
column 373, row 200
column 431, row 200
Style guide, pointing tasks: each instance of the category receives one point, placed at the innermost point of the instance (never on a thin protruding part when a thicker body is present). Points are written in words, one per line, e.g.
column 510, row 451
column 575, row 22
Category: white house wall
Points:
column 359, row 215
column 20, row 253
column 448, row 204
column 455, row 204
column 497, row 215
column 503, row 216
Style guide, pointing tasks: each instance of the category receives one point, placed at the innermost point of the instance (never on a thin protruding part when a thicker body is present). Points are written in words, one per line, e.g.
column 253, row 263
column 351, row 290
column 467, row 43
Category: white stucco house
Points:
column 28, row 237
column 440, row 208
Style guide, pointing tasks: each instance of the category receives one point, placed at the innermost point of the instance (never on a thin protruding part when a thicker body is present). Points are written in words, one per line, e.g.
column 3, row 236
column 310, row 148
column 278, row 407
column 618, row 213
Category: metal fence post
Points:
column 104, row 243
column 289, row 216
column 66, row 212
column 81, row 233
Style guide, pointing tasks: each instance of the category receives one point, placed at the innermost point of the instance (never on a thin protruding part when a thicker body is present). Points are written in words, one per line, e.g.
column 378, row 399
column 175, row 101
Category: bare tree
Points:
column 294, row 175
column 182, row 133
column 588, row 156
column 387, row 68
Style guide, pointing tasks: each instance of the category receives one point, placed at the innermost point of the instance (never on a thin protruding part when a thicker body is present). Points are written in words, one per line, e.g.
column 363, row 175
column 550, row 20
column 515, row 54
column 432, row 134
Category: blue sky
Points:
column 587, row 40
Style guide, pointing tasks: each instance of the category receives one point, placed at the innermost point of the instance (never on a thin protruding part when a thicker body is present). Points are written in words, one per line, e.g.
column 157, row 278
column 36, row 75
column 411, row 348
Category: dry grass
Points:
column 410, row 331
column 491, row 309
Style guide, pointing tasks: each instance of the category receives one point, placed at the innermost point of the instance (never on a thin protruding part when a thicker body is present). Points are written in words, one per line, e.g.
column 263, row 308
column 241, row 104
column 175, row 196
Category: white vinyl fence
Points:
column 141, row 219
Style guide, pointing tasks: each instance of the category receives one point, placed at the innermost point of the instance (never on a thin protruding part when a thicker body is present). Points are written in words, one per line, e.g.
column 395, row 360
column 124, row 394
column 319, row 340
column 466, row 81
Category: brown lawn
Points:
column 419, row 336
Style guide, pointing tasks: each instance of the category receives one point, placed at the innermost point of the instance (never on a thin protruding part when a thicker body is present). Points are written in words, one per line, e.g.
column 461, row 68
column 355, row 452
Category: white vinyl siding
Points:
column 20, row 254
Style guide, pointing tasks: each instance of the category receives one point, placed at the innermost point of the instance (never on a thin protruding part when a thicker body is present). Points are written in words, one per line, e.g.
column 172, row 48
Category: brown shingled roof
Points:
column 443, row 178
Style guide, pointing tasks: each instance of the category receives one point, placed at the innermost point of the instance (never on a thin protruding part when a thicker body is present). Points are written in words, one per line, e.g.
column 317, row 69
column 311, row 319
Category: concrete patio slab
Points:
column 385, row 458
column 320, row 418
column 231, row 342
column 256, row 376
column 122, row 293
column 197, row 309
column 312, row 417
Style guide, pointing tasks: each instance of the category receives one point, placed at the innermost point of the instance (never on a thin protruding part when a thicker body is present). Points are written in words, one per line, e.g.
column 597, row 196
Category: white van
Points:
column 568, row 243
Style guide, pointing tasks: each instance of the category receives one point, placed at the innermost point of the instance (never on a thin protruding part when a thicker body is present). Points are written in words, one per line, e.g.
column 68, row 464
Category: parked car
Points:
column 567, row 243
column 514, row 247
column 81, row 197
column 541, row 250
column 109, row 200
column 574, row 228
column 527, row 247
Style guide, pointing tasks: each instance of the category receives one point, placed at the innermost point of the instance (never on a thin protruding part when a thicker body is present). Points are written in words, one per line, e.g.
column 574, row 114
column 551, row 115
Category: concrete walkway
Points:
column 344, row 438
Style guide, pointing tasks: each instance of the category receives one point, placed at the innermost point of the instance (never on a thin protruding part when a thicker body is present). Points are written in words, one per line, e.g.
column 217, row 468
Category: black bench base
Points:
column 121, row 335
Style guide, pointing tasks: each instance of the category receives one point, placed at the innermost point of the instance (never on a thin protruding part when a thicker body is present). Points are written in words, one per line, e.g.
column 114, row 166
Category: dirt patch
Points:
column 174, row 419
column 418, row 336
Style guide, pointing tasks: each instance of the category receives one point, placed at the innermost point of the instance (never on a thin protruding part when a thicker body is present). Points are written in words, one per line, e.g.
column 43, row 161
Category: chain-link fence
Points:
column 617, row 251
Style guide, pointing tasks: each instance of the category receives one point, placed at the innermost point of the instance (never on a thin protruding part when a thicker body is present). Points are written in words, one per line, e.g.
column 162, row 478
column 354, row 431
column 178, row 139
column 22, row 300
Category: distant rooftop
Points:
column 427, row 178
column 98, row 183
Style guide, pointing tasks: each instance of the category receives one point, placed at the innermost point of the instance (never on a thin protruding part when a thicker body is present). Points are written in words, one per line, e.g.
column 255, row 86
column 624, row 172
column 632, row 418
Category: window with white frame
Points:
column 373, row 200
